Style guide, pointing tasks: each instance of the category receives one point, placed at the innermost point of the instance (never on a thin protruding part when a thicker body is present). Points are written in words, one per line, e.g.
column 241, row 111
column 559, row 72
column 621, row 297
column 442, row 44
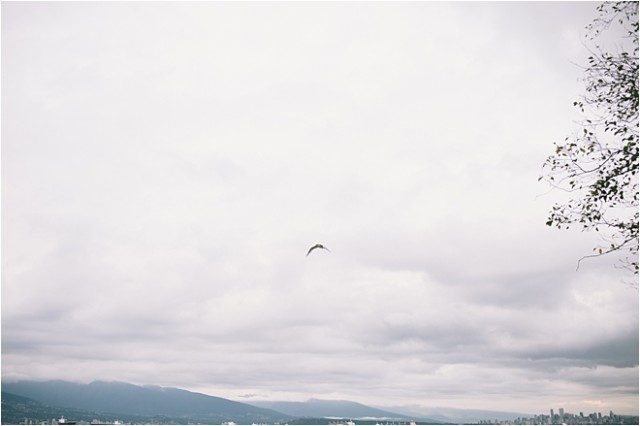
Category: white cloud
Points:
column 166, row 167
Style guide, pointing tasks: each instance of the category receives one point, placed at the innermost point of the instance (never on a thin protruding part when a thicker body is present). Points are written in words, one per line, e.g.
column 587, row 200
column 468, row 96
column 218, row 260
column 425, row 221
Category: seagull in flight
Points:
column 317, row 246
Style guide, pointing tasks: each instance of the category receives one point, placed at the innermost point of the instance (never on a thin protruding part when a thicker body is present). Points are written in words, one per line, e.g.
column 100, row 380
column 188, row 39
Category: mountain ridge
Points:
column 126, row 398
column 21, row 410
column 324, row 408
column 152, row 400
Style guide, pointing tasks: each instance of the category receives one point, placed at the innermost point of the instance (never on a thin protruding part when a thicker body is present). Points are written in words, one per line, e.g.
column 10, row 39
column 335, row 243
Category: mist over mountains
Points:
column 329, row 409
column 154, row 404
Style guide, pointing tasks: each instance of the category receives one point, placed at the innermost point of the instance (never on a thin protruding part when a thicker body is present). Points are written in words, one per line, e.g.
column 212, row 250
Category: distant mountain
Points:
column 335, row 409
column 16, row 408
column 124, row 398
column 458, row 415
column 20, row 410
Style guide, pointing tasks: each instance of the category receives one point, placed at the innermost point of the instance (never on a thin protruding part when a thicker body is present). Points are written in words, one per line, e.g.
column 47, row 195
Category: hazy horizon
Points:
column 167, row 166
column 330, row 408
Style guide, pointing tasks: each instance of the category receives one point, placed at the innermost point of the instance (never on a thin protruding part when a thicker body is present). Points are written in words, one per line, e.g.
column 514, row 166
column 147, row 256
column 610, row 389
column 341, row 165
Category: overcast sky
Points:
column 166, row 167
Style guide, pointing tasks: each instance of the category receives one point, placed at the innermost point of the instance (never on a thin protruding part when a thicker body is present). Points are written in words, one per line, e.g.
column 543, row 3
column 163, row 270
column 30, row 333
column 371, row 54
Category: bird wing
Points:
column 317, row 246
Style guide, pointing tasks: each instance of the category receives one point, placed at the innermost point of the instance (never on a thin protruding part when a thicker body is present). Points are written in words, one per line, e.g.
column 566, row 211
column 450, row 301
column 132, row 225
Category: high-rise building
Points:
column 561, row 413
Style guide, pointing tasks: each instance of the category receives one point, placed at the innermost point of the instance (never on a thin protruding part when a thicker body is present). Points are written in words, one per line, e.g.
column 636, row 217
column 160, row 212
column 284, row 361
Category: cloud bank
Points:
column 165, row 168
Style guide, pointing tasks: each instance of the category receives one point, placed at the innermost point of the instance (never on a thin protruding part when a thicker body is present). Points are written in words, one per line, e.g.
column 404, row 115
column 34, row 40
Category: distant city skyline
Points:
column 595, row 418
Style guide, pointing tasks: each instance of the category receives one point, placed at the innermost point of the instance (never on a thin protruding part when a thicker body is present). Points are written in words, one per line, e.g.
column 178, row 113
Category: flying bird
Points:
column 317, row 246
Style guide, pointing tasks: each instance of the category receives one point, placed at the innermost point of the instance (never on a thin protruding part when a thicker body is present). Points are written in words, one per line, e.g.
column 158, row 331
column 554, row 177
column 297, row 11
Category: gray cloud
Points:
column 620, row 351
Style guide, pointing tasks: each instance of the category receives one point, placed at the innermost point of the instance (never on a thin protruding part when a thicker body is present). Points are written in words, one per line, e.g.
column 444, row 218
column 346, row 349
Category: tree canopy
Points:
column 599, row 164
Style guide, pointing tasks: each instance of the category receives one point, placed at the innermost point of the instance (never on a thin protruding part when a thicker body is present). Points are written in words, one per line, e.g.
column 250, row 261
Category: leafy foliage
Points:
column 600, row 163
